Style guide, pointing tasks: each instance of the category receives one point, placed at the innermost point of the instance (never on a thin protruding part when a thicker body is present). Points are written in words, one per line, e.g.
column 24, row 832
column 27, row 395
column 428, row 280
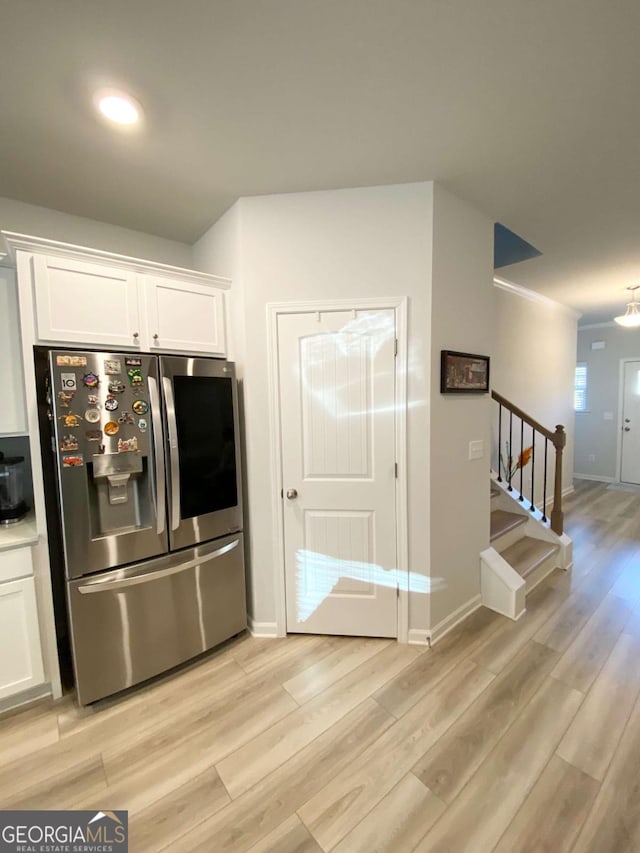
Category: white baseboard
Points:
column 596, row 477
column 262, row 629
column 33, row 694
column 418, row 637
column 449, row 622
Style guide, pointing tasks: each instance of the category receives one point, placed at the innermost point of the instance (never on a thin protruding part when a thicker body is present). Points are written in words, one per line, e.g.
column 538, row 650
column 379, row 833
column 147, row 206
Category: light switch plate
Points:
column 476, row 449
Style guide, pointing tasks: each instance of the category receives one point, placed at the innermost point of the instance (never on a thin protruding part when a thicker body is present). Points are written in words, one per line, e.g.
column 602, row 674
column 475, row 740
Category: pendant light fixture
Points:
column 631, row 318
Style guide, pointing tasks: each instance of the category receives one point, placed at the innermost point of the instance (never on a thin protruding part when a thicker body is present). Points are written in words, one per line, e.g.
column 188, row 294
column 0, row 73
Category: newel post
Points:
column 557, row 516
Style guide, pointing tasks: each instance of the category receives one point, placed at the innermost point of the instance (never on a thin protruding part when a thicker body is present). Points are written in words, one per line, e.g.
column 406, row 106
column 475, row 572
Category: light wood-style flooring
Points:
column 506, row 736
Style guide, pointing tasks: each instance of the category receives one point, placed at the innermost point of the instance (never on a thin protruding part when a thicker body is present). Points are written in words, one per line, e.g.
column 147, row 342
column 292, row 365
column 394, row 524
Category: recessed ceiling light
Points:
column 118, row 106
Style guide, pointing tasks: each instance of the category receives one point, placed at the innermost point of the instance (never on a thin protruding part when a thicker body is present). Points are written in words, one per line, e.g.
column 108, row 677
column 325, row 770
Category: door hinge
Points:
column 281, row 494
column 395, row 347
column 396, row 469
column 398, row 591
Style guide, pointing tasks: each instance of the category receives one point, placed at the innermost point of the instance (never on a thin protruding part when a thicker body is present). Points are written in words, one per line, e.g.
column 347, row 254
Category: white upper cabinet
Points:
column 83, row 303
column 88, row 298
column 184, row 316
column 12, row 408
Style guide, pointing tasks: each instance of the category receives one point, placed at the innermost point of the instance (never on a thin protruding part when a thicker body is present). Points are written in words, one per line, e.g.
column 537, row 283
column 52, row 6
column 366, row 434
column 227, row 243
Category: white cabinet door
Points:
column 85, row 303
column 184, row 316
column 12, row 408
column 20, row 655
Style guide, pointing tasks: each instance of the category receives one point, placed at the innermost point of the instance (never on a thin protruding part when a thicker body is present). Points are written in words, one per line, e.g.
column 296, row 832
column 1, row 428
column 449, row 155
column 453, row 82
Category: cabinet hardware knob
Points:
column 155, row 337
column 136, row 334
column 292, row 494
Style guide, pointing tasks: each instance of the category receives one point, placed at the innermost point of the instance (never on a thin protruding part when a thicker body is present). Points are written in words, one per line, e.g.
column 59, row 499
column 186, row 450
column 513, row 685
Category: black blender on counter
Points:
column 12, row 505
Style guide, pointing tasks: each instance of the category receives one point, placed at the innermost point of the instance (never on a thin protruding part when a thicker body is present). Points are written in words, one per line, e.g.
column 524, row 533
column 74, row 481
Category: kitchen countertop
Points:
column 18, row 535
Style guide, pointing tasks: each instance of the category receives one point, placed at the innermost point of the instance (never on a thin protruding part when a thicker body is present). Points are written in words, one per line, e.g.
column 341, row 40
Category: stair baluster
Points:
column 544, row 481
column 510, row 453
column 499, row 439
column 521, row 498
column 533, row 466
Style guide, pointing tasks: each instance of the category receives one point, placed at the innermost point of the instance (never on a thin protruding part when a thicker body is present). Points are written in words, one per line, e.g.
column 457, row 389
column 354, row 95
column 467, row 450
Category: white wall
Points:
column 338, row 244
column 596, row 436
column 54, row 225
column 462, row 319
column 533, row 367
column 378, row 241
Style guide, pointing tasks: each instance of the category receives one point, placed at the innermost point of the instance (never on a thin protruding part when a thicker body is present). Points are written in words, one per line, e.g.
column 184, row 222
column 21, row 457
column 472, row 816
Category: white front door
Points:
column 630, row 465
column 337, row 416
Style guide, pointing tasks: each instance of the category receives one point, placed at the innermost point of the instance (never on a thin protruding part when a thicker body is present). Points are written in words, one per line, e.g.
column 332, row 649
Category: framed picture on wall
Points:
column 463, row 373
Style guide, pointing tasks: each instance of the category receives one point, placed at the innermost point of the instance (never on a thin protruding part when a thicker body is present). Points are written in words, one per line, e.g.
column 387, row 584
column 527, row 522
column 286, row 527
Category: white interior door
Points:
column 630, row 464
column 337, row 408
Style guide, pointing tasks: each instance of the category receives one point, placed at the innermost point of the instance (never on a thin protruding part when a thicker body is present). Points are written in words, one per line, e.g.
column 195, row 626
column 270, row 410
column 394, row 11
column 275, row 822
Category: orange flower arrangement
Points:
column 524, row 457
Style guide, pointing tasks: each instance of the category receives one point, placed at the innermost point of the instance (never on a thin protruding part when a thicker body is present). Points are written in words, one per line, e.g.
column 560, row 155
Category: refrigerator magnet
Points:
column 112, row 365
column 69, row 442
column 111, row 428
column 140, row 407
column 68, row 381
column 73, row 461
column 70, row 420
column 65, row 398
column 90, row 380
column 92, row 416
column 135, row 377
column 128, row 445
column 93, row 399
column 93, row 435
column 126, row 418
column 71, row 361
column 111, row 404
column 117, row 386
column 142, row 424
column 130, row 361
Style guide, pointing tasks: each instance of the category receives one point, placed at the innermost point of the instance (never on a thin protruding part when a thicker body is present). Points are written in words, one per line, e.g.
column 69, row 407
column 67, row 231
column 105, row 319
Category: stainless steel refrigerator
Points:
column 147, row 468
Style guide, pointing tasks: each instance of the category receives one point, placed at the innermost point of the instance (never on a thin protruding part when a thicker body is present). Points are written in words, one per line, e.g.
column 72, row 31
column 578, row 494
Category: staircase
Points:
column 525, row 545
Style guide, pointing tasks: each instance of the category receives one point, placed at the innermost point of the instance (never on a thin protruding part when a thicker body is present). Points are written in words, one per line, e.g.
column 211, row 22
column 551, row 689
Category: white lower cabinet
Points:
column 21, row 664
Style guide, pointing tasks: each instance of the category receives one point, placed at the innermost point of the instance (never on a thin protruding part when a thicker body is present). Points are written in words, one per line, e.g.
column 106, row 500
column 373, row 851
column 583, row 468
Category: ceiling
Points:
column 527, row 109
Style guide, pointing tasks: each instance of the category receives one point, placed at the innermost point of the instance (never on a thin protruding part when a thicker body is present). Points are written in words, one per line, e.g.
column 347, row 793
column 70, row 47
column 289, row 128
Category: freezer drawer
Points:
column 130, row 624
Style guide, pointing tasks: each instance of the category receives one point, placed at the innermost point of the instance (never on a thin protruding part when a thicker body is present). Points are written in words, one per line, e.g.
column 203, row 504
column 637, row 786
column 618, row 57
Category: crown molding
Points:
column 533, row 296
column 609, row 324
column 14, row 243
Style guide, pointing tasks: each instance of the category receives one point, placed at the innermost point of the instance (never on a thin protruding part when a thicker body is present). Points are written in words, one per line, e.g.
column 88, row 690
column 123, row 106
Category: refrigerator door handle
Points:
column 157, row 453
column 147, row 577
column 174, row 461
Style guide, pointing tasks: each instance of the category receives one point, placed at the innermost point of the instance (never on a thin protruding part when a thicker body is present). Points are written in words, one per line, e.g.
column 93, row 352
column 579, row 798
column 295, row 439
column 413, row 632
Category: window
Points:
column 580, row 388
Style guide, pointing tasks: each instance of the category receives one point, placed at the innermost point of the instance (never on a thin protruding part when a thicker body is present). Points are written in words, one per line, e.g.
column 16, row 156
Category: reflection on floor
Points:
column 506, row 736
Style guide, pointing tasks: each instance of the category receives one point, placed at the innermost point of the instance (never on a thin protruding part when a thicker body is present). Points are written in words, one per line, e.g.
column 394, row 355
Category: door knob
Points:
column 292, row 494
column 627, row 429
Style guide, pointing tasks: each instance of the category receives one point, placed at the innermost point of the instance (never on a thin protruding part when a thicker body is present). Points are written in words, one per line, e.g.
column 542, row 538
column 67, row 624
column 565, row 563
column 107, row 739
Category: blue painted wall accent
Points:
column 508, row 248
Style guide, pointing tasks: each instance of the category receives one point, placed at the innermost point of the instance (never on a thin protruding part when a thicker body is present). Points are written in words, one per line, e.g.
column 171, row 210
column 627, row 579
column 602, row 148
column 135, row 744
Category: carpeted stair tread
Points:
column 527, row 554
column 503, row 521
